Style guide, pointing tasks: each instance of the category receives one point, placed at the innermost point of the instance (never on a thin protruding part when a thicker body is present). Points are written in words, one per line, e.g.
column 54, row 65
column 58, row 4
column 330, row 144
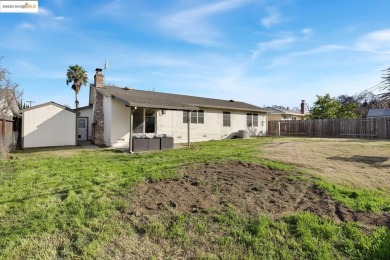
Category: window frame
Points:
column 252, row 120
column 255, row 120
column 195, row 116
column 224, row 119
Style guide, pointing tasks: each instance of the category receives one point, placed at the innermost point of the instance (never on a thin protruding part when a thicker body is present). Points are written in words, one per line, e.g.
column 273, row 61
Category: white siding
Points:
column 120, row 122
column 49, row 125
column 171, row 123
column 107, row 120
column 87, row 112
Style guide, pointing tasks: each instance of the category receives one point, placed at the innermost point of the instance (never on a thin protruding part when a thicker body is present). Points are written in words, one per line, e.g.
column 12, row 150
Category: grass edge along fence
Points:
column 344, row 128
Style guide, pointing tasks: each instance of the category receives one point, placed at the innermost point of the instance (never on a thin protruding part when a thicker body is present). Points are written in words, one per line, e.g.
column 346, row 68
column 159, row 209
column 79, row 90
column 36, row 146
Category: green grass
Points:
column 357, row 199
column 302, row 236
column 67, row 205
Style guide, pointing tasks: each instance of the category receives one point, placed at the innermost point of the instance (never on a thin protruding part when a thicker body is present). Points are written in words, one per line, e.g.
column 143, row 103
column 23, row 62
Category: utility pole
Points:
column 30, row 101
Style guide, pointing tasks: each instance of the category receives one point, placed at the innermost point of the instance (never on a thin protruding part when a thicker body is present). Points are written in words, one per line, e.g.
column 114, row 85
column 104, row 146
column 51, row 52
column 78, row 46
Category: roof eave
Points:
column 162, row 107
column 236, row 108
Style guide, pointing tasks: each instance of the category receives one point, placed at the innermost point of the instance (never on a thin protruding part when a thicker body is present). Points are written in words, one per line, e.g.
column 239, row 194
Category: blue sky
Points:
column 260, row 52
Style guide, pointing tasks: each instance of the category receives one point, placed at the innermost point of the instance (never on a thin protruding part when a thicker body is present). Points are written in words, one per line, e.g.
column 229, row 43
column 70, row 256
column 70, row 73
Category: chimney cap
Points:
column 99, row 70
column 303, row 101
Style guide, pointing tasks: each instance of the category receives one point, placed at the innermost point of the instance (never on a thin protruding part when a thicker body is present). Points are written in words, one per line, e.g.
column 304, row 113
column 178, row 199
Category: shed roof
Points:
column 47, row 104
column 159, row 100
column 378, row 112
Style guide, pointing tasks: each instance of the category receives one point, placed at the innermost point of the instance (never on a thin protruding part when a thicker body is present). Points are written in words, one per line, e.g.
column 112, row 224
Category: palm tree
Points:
column 78, row 76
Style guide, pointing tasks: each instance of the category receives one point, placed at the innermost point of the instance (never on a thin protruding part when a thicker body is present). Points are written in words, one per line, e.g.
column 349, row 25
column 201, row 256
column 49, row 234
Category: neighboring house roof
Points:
column 47, row 104
column 158, row 100
column 86, row 107
column 9, row 97
column 279, row 110
column 378, row 112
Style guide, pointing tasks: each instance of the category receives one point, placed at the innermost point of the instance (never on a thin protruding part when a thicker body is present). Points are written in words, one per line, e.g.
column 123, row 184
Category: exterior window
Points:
column 197, row 117
column 194, row 117
column 141, row 121
column 200, row 117
column 226, row 118
column 138, row 121
column 81, row 123
column 252, row 119
column 248, row 119
column 185, row 117
column 255, row 120
column 150, row 121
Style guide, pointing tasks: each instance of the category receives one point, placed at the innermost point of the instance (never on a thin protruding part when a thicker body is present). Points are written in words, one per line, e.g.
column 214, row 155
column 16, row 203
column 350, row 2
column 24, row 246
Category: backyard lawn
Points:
column 259, row 198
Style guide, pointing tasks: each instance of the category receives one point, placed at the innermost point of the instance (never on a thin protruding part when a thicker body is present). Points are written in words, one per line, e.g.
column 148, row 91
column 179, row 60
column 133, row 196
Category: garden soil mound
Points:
column 251, row 189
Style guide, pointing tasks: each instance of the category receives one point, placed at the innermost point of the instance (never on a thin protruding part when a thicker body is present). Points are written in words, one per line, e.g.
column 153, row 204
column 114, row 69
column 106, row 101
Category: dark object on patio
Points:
column 166, row 143
column 154, row 144
column 140, row 145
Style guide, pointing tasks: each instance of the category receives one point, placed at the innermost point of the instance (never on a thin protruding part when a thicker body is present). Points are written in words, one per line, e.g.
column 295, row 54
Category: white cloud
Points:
column 320, row 49
column 191, row 25
column 45, row 19
column 274, row 17
column 288, row 58
column 111, row 8
column 277, row 44
column 44, row 12
column 376, row 42
column 307, row 32
column 27, row 26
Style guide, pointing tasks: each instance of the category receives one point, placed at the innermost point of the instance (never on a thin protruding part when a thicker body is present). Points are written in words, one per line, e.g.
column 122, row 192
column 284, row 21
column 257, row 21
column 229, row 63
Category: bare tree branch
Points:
column 10, row 93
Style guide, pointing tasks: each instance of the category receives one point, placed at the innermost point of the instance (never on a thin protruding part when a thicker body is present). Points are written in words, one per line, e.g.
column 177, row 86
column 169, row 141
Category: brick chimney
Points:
column 303, row 107
column 99, row 78
column 98, row 114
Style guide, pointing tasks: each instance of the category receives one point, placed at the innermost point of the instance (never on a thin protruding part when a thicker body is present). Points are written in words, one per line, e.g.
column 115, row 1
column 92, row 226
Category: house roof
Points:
column 11, row 100
column 378, row 112
column 158, row 100
column 280, row 110
column 46, row 104
column 84, row 108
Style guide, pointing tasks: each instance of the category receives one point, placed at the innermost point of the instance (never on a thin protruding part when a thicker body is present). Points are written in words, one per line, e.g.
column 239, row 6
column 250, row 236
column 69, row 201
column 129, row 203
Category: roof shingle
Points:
column 158, row 100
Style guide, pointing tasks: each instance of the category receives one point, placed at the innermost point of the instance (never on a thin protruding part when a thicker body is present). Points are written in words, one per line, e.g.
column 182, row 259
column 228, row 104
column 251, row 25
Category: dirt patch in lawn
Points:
column 251, row 189
column 359, row 163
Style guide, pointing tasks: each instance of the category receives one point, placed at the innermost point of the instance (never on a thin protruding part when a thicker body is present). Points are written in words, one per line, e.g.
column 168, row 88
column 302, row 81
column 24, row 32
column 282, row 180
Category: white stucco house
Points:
column 281, row 113
column 115, row 114
column 48, row 124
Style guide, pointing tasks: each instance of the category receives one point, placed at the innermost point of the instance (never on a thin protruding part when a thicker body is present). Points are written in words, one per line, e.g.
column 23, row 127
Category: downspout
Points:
column 189, row 130
column 131, row 130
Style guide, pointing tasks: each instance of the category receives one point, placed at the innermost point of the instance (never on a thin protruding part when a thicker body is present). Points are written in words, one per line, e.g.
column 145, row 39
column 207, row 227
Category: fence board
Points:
column 347, row 128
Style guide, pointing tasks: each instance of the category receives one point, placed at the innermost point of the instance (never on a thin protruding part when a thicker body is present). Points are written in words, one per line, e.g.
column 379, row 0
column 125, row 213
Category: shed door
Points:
column 82, row 128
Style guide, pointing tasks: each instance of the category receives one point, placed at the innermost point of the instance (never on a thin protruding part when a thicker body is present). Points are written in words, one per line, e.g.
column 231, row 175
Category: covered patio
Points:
column 143, row 134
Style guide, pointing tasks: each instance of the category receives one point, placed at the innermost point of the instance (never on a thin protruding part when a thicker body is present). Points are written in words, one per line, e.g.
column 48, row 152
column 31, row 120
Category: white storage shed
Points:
column 48, row 124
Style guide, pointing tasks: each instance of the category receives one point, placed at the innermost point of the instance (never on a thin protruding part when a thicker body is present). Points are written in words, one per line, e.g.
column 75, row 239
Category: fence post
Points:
column 279, row 128
column 3, row 127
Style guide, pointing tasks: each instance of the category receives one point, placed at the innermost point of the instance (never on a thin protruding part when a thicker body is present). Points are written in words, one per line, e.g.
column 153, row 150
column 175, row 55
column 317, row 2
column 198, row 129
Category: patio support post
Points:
column 189, row 130
column 131, row 131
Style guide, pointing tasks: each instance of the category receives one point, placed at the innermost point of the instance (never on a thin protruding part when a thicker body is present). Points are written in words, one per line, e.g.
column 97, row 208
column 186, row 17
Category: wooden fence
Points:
column 348, row 128
column 9, row 136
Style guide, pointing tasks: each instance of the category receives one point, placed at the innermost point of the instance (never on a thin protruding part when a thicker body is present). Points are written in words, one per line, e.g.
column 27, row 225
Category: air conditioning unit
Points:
column 243, row 134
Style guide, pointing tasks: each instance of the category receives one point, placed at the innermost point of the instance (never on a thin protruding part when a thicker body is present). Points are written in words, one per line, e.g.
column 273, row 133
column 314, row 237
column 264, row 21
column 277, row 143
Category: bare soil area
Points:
column 251, row 189
column 359, row 163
